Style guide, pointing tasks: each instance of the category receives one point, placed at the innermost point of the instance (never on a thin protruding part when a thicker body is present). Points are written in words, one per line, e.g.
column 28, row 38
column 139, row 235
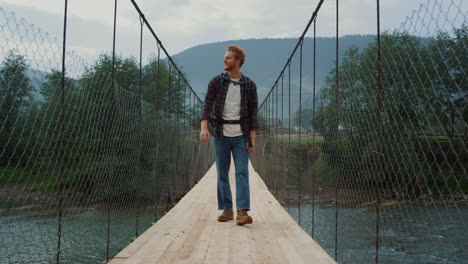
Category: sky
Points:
column 181, row 24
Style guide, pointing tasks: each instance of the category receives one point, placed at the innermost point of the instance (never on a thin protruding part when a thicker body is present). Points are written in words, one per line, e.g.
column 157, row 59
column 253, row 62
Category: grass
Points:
column 296, row 145
column 39, row 181
column 327, row 173
column 288, row 160
column 11, row 175
column 44, row 181
column 441, row 138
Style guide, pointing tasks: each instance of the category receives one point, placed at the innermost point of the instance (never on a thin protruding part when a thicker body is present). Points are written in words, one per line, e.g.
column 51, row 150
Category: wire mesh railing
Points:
column 371, row 161
column 90, row 155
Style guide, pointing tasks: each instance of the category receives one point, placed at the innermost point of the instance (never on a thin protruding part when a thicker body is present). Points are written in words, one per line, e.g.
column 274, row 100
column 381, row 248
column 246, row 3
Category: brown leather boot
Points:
column 243, row 218
column 226, row 216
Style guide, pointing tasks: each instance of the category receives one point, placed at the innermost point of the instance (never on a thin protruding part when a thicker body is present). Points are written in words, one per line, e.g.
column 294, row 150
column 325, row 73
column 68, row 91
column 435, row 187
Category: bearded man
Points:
column 231, row 110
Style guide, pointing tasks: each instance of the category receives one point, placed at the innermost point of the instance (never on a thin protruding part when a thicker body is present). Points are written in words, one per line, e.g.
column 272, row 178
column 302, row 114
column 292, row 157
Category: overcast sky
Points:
column 182, row 24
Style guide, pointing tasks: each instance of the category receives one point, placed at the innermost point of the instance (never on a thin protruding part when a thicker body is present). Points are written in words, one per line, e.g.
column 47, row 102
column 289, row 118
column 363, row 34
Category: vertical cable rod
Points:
column 313, row 130
column 61, row 136
column 113, row 109
column 379, row 138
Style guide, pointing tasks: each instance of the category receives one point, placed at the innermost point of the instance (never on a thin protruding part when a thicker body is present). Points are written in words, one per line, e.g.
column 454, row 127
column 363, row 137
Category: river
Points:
column 409, row 234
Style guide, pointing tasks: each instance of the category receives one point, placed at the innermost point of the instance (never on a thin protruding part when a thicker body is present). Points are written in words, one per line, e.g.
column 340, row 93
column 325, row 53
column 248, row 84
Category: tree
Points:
column 423, row 83
column 125, row 128
column 448, row 96
column 349, row 126
column 15, row 89
column 50, row 112
column 305, row 118
column 102, row 102
column 156, row 82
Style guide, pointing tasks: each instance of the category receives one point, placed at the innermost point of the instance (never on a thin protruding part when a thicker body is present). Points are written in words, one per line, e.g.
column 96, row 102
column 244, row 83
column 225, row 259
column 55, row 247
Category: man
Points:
column 231, row 108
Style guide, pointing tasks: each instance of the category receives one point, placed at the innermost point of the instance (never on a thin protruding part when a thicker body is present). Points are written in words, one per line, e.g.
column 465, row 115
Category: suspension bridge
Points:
column 360, row 161
column 189, row 233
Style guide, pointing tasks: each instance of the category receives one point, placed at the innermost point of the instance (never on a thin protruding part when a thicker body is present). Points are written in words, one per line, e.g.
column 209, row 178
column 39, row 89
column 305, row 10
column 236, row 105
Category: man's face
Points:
column 230, row 61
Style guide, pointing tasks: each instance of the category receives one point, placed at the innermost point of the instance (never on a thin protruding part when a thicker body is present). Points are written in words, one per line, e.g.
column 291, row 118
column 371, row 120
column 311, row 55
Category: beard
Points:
column 228, row 67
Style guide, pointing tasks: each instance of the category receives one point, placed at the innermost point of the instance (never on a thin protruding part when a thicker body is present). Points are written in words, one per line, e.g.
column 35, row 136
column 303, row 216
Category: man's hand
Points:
column 253, row 133
column 204, row 134
column 250, row 149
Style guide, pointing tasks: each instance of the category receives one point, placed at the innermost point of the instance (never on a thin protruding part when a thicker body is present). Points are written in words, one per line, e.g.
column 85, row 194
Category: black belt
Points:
column 231, row 122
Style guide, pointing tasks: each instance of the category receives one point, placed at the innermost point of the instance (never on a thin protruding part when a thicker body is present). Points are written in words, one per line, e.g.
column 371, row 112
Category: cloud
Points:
column 181, row 24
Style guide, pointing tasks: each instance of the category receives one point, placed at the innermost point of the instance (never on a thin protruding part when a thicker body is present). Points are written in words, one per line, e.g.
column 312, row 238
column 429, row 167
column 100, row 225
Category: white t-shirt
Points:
column 231, row 110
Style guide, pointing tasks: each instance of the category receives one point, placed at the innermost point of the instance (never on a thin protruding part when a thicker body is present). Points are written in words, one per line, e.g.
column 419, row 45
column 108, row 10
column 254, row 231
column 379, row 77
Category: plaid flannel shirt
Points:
column 216, row 96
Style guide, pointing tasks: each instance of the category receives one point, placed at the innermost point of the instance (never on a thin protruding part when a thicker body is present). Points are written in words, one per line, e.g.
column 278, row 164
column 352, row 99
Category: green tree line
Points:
column 424, row 90
column 110, row 135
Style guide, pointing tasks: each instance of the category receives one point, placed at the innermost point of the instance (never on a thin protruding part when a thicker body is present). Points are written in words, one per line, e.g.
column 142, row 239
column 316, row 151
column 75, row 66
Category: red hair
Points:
column 238, row 53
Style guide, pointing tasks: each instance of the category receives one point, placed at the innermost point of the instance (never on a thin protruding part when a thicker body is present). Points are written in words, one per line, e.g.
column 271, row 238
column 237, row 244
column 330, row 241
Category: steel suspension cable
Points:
column 170, row 60
column 314, row 15
column 378, row 153
column 158, row 110
column 282, row 123
column 179, row 97
column 337, row 132
column 140, row 132
column 169, row 91
column 289, row 129
column 113, row 109
column 300, row 128
column 184, row 113
column 61, row 136
column 282, row 104
column 276, row 137
column 159, row 79
column 313, row 130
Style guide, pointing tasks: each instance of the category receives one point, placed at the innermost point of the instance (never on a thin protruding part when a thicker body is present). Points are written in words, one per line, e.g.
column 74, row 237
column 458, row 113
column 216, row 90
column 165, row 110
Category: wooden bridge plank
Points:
column 196, row 245
column 239, row 250
column 189, row 233
column 165, row 222
column 272, row 236
column 218, row 248
column 283, row 226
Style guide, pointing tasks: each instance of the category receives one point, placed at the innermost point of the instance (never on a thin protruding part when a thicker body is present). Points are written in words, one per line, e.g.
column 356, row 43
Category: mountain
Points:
column 265, row 58
column 36, row 78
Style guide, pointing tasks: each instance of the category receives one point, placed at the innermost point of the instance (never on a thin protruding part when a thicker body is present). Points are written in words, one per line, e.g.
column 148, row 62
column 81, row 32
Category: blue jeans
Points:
column 223, row 147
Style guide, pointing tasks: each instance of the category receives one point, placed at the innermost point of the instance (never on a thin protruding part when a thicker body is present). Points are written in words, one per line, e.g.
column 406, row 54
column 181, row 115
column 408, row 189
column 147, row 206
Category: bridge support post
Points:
column 378, row 153
column 61, row 137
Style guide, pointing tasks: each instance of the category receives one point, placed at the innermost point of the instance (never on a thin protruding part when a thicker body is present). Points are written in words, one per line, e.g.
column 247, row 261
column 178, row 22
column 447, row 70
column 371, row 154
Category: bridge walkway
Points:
column 189, row 233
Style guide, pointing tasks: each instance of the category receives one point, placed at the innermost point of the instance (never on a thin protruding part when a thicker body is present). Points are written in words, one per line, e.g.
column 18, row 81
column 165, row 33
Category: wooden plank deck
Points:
column 190, row 233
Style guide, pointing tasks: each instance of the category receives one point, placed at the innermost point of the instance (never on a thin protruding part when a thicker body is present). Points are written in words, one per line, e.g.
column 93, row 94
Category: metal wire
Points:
column 375, row 159
column 91, row 151
column 376, row 172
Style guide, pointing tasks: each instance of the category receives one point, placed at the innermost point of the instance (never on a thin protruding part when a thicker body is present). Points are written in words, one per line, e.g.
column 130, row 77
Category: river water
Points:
column 30, row 236
column 408, row 234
